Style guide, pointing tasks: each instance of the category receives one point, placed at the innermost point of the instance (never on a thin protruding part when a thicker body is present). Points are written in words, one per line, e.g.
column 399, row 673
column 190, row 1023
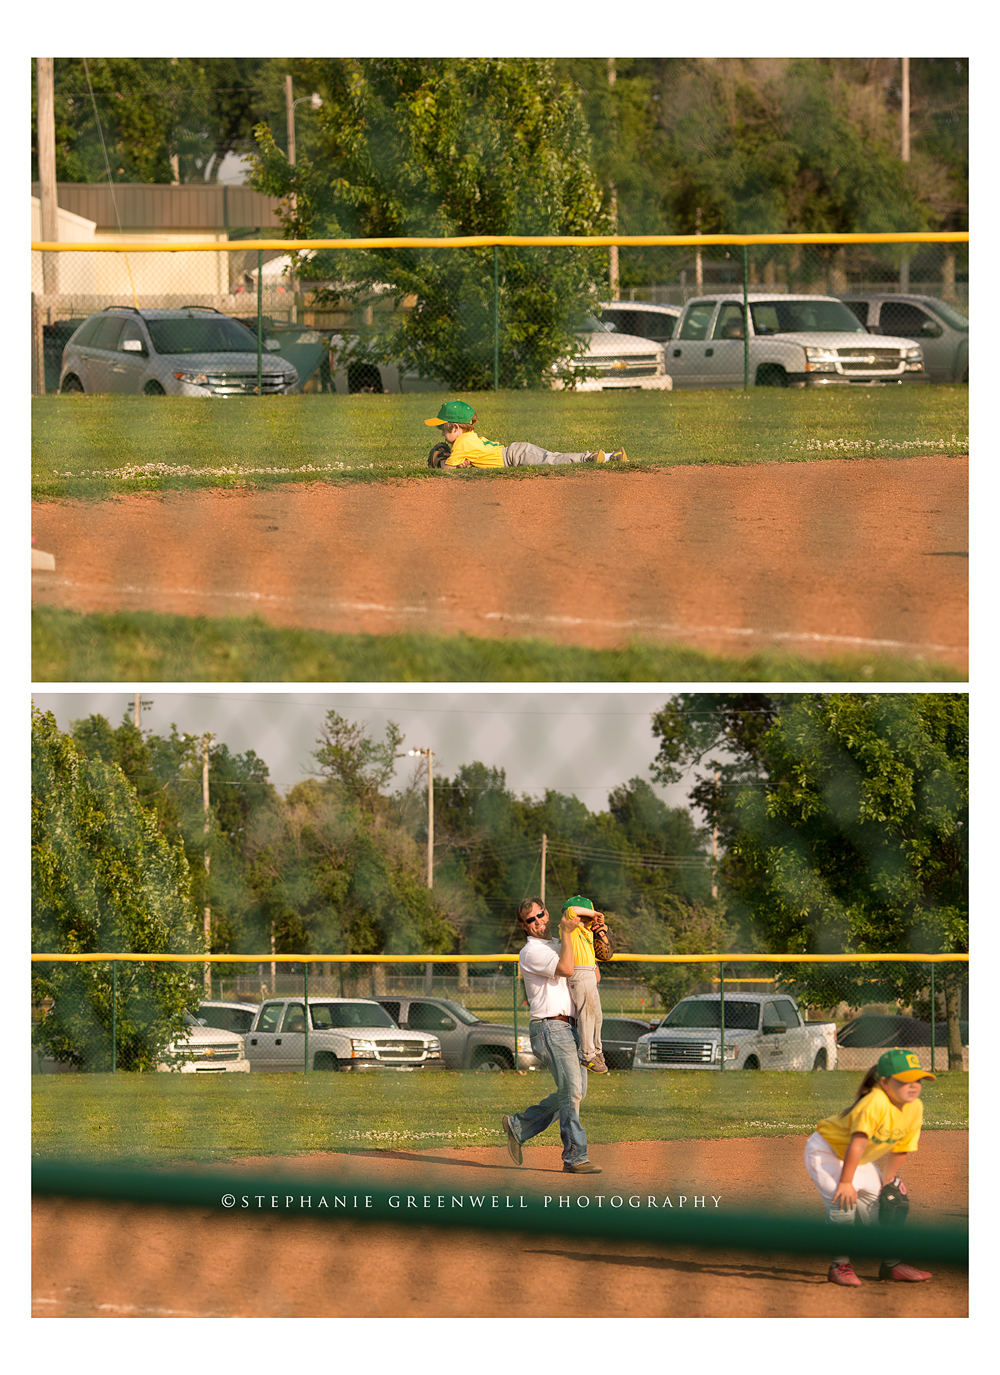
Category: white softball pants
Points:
column 823, row 1166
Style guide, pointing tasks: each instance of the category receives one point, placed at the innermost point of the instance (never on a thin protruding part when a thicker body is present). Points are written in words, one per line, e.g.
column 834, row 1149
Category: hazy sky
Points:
column 582, row 743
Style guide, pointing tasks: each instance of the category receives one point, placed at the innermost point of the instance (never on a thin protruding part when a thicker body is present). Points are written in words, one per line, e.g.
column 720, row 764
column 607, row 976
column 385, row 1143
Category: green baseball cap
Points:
column 455, row 412
column 902, row 1064
column 578, row 902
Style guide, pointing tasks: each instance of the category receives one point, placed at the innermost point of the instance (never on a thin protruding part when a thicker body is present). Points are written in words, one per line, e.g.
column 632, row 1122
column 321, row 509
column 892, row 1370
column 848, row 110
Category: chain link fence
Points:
column 260, row 1013
column 418, row 316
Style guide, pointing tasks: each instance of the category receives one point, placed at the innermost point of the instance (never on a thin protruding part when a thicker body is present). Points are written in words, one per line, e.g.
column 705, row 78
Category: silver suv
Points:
column 196, row 351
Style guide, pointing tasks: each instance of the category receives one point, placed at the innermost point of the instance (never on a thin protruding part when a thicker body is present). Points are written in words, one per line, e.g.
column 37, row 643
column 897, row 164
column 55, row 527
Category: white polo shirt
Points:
column 548, row 992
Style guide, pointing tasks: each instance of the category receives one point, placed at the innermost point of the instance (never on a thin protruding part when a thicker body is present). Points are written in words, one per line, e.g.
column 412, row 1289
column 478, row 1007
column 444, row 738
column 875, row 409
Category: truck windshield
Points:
column 740, row 1016
column 349, row 1014
column 463, row 1015
column 791, row 317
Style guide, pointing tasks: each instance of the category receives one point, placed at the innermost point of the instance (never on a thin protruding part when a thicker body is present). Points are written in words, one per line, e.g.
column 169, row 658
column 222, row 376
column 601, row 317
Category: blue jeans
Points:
column 558, row 1045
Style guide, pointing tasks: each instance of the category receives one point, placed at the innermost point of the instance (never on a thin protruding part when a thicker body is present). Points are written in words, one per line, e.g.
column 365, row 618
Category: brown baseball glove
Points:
column 604, row 943
column 438, row 454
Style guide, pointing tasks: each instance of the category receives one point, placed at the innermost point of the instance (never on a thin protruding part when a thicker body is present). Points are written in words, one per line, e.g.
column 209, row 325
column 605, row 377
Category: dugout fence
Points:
column 486, row 313
column 121, row 1011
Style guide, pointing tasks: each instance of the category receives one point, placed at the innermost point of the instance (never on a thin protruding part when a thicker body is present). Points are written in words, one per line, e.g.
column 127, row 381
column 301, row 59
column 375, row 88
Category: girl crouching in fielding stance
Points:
column 883, row 1120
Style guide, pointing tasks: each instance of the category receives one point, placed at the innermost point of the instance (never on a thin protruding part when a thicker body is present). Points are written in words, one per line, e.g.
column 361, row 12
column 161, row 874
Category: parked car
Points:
column 643, row 319
column 344, row 1034
column 621, row 362
column 467, row 1042
column 875, row 1029
column 618, row 1040
column 940, row 329
column 304, row 347
column 55, row 337
column 204, row 1050
column 756, row 1030
column 795, row 341
column 235, row 1016
column 196, row 351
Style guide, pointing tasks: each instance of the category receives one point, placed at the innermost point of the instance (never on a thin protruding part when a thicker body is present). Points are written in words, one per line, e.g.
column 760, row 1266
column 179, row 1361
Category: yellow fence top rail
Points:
column 495, row 959
column 514, row 240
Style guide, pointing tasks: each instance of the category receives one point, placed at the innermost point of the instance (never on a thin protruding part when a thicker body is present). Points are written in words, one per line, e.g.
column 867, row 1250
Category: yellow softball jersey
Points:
column 887, row 1127
column 481, row 453
column 583, row 945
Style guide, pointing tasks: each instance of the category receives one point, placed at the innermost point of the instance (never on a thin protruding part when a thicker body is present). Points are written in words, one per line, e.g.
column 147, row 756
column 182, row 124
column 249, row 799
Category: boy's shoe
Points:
column 902, row 1274
column 843, row 1274
column 513, row 1145
column 618, row 456
column 596, row 1066
column 599, row 457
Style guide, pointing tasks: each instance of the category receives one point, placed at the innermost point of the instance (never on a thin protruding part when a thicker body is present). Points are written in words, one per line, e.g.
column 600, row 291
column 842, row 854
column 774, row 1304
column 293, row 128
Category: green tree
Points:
column 854, row 839
column 349, row 757
column 431, row 147
column 103, row 879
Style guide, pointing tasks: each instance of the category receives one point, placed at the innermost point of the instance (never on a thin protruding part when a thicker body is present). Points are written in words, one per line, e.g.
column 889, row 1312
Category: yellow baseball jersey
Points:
column 887, row 1127
column 481, row 453
column 583, row 945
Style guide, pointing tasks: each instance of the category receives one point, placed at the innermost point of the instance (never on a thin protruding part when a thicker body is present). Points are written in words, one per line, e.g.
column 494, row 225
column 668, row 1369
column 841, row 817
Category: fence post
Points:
column 722, row 1017
column 114, row 1016
column 260, row 329
column 746, row 320
column 305, row 1008
column 496, row 318
column 517, row 984
column 933, row 1017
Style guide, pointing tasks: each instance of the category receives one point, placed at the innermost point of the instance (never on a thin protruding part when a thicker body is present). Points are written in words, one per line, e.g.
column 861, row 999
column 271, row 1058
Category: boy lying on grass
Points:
column 461, row 447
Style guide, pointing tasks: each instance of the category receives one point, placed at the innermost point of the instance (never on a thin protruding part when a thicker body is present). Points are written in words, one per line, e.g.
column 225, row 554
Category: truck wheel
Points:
column 820, row 1061
column 751, row 1062
column 771, row 375
column 492, row 1060
column 325, row 1059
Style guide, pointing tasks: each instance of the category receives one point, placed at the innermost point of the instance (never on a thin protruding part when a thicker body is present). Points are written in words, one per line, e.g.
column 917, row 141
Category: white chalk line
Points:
column 523, row 618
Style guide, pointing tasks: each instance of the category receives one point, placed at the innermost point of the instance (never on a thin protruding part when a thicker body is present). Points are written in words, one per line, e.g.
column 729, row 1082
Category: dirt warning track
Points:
column 123, row 1260
column 815, row 558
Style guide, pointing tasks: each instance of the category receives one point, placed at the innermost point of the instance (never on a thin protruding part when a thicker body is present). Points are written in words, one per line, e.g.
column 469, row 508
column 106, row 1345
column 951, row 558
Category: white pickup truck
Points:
column 759, row 1031
column 794, row 341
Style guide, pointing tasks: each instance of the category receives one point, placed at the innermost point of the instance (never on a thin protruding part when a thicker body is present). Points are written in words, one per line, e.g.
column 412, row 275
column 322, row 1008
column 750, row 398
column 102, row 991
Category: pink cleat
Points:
column 843, row 1274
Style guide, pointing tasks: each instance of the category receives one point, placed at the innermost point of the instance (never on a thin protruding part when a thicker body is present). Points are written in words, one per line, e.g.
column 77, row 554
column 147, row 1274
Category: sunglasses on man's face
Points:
column 537, row 917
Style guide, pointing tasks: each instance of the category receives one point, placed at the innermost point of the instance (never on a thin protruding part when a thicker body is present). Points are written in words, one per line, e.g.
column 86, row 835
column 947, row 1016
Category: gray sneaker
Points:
column 599, row 457
column 618, row 456
column 513, row 1145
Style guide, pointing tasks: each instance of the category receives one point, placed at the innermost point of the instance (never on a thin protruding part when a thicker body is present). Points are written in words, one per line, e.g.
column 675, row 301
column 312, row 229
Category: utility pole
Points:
column 290, row 112
column 428, row 754
column 697, row 255
column 544, row 843
column 715, row 836
column 613, row 250
column 904, row 266
column 47, row 193
column 206, row 741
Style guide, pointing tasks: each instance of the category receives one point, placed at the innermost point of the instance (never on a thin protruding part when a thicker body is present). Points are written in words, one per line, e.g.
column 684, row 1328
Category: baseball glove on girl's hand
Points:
column 893, row 1203
column 438, row 454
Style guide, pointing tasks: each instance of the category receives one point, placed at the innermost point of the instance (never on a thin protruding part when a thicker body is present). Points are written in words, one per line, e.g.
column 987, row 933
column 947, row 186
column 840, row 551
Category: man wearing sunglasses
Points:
column 545, row 967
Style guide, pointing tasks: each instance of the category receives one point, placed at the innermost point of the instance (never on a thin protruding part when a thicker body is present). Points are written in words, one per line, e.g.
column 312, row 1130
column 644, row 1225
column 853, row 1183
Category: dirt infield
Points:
column 813, row 558
column 120, row 1260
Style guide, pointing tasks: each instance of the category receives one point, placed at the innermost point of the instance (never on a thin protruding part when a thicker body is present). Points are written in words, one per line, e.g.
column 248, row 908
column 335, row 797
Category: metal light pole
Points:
column 206, row 742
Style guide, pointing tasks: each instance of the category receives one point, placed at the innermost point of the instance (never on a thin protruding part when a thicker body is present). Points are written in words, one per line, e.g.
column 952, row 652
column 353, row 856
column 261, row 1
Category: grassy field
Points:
column 161, row 1119
column 94, row 446
column 70, row 646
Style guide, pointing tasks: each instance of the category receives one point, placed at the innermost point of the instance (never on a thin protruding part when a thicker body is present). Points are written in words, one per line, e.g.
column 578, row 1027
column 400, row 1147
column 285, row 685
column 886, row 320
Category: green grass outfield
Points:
column 94, row 446
column 160, row 1119
column 70, row 646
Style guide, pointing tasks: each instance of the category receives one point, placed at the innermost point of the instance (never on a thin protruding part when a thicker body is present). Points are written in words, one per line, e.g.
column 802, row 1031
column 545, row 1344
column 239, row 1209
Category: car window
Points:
column 697, row 321
column 907, row 320
column 786, row 1011
column 772, row 1017
column 392, row 1009
column 89, row 329
column 130, row 330
column 792, row 317
column 270, row 1014
column 348, row 1015
column 196, row 334
column 429, row 1017
column 647, row 324
column 729, row 324
column 108, row 332
column 294, row 1018
column 227, row 1018
column 858, row 308
column 740, row 1016
column 951, row 316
